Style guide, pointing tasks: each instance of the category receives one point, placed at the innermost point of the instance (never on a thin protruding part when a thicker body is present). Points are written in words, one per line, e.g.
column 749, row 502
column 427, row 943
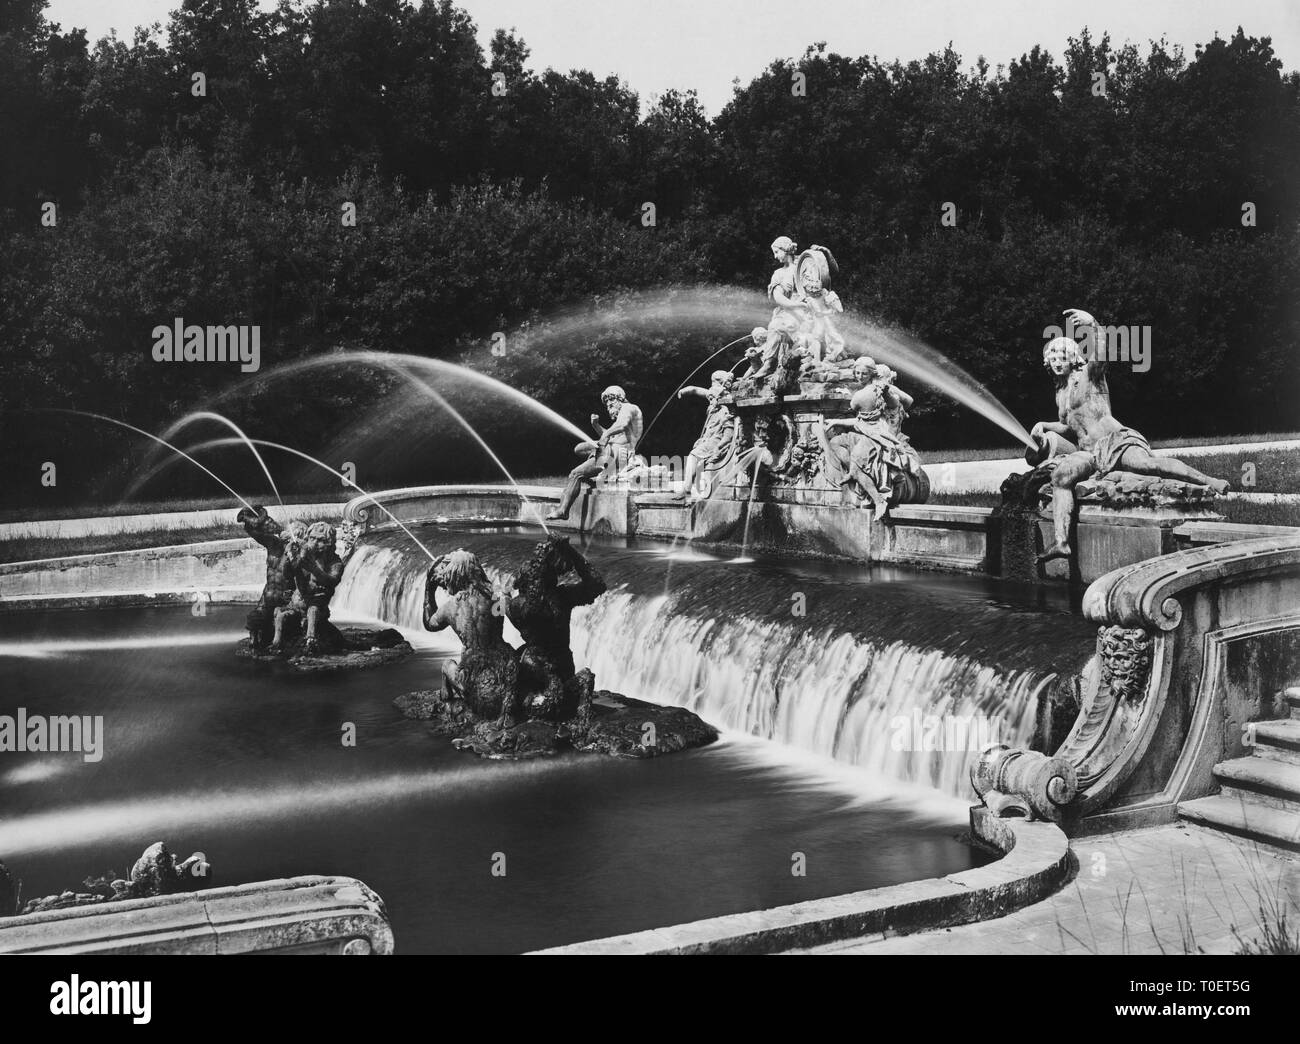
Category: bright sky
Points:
column 654, row 45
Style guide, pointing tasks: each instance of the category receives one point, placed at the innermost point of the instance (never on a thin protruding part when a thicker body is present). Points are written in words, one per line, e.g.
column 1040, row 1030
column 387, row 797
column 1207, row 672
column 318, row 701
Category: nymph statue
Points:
column 719, row 428
column 1085, row 419
column 871, row 457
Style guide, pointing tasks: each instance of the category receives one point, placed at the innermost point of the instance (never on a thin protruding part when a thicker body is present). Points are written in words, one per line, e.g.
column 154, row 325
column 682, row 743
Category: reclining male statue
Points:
column 1105, row 445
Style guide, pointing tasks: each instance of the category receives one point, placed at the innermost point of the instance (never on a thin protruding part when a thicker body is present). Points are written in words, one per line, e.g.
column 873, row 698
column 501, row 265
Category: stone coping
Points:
column 162, row 521
column 202, row 547
column 1035, row 863
column 236, row 595
column 1227, row 532
column 940, row 515
column 316, row 914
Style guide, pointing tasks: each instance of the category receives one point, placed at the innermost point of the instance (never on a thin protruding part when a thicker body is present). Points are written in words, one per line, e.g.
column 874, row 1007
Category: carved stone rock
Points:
column 608, row 723
column 1123, row 489
column 362, row 647
column 156, row 872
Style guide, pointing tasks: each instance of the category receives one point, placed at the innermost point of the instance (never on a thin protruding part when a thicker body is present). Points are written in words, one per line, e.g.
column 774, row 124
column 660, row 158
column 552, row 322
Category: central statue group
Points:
column 799, row 356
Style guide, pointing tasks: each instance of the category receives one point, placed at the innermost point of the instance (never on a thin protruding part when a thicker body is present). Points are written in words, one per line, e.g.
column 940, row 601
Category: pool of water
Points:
column 247, row 763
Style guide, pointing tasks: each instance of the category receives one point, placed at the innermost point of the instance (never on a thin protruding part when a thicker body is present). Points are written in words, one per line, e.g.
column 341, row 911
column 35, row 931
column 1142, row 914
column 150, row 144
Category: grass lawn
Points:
column 33, row 514
column 942, row 456
column 26, row 549
column 29, row 550
column 1233, row 510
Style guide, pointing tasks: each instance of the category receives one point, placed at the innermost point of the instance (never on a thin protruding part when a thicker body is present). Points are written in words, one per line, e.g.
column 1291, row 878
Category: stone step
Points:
column 1248, row 819
column 1293, row 701
column 1262, row 781
column 1278, row 740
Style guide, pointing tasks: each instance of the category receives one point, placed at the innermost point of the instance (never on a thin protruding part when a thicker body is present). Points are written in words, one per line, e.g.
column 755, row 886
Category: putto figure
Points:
column 719, row 429
column 613, row 451
column 282, row 547
column 1104, row 444
column 485, row 676
column 317, row 570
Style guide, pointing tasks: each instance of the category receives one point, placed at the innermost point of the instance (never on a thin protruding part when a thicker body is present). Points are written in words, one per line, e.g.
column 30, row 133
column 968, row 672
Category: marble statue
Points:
column 872, row 458
column 783, row 287
column 613, row 451
column 719, row 431
column 800, row 340
column 821, row 305
column 771, row 346
column 485, row 676
column 785, row 423
column 1085, row 419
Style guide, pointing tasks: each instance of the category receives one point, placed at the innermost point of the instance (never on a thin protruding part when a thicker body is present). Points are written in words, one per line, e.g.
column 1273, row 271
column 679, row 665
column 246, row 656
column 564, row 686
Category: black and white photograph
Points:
column 586, row 477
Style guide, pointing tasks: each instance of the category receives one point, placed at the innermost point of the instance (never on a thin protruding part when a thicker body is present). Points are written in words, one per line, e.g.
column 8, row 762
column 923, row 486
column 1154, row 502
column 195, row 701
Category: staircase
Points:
column 1260, row 798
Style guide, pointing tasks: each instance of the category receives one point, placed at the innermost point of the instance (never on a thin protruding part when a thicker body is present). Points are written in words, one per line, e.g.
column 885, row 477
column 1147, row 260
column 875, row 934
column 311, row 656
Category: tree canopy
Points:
column 493, row 197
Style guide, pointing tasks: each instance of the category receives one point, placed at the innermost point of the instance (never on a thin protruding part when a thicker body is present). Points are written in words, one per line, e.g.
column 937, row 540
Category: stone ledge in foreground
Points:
column 1036, row 861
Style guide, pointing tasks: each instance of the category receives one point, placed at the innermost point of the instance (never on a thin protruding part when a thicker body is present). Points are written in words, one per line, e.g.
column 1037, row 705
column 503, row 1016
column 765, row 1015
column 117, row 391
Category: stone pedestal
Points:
column 785, row 426
column 1121, row 518
column 1107, row 538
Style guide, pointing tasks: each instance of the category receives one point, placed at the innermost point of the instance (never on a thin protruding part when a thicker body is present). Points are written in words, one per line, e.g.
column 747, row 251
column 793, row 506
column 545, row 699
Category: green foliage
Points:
column 519, row 211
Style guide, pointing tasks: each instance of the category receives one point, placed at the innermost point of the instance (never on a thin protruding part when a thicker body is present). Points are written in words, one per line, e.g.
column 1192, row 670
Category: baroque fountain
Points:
column 1080, row 658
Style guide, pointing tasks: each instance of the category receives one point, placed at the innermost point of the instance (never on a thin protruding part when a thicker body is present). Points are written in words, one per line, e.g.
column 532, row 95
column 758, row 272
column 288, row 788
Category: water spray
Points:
column 697, row 369
column 202, row 415
column 347, row 481
column 155, row 438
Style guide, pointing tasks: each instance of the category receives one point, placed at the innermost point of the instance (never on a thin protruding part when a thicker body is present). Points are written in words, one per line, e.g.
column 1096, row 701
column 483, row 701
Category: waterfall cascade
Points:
column 889, row 677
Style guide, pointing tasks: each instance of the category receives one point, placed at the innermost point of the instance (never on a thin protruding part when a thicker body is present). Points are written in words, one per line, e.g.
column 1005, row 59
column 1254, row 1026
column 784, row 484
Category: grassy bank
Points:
column 26, row 548
column 30, row 550
column 1241, row 511
column 153, row 507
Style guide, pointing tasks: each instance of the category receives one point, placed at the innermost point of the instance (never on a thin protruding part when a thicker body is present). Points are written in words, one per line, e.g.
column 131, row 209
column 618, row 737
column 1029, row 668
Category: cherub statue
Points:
column 1083, row 406
column 822, row 306
column 281, row 545
column 317, row 570
column 771, row 345
column 554, row 582
column 719, row 428
column 486, row 674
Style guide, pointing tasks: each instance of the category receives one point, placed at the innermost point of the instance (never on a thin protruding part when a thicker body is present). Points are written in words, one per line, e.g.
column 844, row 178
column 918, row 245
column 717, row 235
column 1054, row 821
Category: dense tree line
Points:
column 491, row 197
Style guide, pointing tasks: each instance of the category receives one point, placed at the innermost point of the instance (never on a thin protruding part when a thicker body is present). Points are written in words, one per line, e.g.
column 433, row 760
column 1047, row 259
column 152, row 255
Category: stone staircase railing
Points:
column 1194, row 649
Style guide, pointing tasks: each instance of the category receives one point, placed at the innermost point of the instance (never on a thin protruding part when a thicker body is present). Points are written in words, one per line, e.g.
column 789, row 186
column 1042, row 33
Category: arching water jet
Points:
column 155, row 438
column 193, row 418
